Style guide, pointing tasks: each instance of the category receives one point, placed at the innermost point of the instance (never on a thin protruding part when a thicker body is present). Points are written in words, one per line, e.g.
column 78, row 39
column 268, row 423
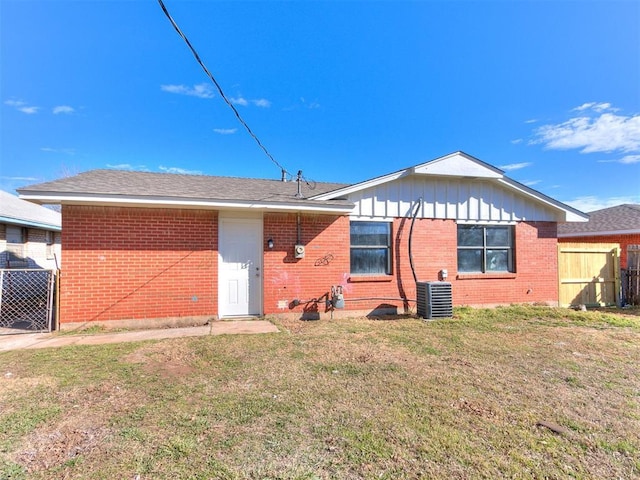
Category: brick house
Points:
column 147, row 249
column 29, row 234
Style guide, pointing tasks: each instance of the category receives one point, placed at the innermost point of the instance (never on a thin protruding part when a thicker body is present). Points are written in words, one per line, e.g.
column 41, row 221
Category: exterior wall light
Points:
column 270, row 243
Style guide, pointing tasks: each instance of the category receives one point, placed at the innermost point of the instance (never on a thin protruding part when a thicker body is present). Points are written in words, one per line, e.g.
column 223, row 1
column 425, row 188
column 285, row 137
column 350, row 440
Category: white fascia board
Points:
column 456, row 164
column 486, row 222
column 361, row 186
column 29, row 223
column 598, row 234
column 159, row 202
column 570, row 214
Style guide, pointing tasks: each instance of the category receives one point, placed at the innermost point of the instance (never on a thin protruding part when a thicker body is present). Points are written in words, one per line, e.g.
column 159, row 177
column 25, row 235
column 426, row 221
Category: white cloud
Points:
column 225, row 131
column 598, row 107
column 22, row 106
column 66, row 151
column 630, row 159
column 516, row 141
column 66, row 109
column 21, row 179
column 592, row 203
column 243, row 102
column 178, row 170
column 531, row 183
column 515, row 166
column 239, row 101
column 532, row 120
column 128, row 166
column 626, row 160
column 602, row 132
column 262, row 102
column 201, row 90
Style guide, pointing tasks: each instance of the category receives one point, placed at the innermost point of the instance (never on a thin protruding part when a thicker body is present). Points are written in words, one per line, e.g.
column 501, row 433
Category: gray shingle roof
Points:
column 621, row 218
column 20, row 212
column 132, row 184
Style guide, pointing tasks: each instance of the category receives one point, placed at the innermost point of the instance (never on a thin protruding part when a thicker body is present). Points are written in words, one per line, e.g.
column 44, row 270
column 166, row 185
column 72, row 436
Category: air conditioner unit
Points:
column 434, row 299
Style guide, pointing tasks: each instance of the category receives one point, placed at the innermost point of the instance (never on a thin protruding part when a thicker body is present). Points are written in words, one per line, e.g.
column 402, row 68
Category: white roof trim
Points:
column 571, row 214
column 163, row 202
column 448, row 165
column 30, row 223
column 459, row 164
column 341, row 192
column 597, row 234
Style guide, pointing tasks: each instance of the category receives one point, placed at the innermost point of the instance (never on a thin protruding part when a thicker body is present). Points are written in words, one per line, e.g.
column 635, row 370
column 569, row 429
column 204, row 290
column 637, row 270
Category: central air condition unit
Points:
column 434, row 299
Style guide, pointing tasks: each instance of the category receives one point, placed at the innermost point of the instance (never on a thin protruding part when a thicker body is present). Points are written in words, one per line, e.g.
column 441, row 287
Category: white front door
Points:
column 240, row 266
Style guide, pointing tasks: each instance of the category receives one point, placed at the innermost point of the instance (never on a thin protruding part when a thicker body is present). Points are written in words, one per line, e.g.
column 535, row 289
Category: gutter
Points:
column 164, row 202
column 29, row 223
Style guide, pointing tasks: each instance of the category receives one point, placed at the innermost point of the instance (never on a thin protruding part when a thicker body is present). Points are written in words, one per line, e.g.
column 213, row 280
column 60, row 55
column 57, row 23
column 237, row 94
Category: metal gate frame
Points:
column 27, row 300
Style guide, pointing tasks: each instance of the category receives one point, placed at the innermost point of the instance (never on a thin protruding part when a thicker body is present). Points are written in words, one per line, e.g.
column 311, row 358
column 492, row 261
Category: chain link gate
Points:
column 26, row 300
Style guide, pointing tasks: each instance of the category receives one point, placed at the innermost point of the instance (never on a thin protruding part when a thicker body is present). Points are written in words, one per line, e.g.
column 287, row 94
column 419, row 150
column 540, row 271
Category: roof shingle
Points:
column 620, row 218
column 183, row 187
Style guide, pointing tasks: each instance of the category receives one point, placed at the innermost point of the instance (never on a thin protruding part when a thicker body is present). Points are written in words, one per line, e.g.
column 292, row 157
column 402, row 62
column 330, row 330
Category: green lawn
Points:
column 345, row 399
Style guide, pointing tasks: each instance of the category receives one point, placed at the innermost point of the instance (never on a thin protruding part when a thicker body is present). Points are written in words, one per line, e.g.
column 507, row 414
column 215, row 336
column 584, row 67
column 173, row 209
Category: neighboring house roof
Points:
column 462, row 165
column 618, row 220
column 117, row 187
column 15, row 211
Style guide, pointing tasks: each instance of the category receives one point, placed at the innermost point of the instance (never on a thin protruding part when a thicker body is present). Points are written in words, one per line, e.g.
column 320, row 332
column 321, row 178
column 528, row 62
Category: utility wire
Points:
column 217, row 85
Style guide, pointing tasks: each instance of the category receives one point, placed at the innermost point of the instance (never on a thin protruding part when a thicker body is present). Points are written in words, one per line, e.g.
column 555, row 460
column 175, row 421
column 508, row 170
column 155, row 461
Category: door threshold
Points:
column 240, row 317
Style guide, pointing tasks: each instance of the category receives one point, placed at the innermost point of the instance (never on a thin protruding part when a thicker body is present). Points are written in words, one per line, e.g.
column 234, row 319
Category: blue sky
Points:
column 342, row 90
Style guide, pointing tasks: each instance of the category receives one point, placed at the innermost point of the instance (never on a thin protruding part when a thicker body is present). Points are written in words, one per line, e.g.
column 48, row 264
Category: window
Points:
column 371, row 248
column 16, row 248
column 484, row 248
column 49, row 240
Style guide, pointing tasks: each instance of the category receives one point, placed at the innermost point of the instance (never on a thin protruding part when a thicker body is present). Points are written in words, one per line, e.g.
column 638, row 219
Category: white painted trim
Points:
column 361, row 186
column 487, row 222
column 597, row 234
column 571, row 214
column 359, row 218
column 31, row 224
column 161, row 202
column 485, row 171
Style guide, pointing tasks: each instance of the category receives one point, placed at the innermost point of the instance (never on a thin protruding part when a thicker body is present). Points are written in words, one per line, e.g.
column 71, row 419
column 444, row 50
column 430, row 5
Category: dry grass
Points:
column 358, row 398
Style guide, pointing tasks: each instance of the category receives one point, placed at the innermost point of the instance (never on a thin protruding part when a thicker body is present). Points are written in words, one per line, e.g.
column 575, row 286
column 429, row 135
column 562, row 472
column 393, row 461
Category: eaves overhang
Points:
column 570, row 214
column 189, row 203
column 604, row 233
column 30, row 223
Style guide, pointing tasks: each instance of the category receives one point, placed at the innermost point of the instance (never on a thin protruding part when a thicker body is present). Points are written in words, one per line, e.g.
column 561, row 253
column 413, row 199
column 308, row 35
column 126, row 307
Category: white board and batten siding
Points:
column 454, row 198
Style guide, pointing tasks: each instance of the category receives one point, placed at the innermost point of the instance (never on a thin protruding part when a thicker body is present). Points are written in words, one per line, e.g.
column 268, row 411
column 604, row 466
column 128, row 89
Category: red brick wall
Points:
column 434, row 247
column 623, row 240
column 326, row 260
column 137, row 263
column 536, row 276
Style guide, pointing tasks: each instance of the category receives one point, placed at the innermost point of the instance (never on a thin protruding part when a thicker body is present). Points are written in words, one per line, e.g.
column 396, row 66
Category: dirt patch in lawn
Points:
column 159, row 360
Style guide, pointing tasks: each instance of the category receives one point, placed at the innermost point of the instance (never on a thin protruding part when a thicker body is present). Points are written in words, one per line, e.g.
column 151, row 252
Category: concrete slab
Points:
column 30, row 341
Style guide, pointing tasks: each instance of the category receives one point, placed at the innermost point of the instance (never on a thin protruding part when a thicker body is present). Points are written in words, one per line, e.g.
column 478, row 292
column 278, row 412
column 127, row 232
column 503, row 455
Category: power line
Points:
column 217, row 85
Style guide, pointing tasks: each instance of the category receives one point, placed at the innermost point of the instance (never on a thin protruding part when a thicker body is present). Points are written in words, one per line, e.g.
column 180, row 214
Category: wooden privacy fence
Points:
column 631, row 282
column 589, row 274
